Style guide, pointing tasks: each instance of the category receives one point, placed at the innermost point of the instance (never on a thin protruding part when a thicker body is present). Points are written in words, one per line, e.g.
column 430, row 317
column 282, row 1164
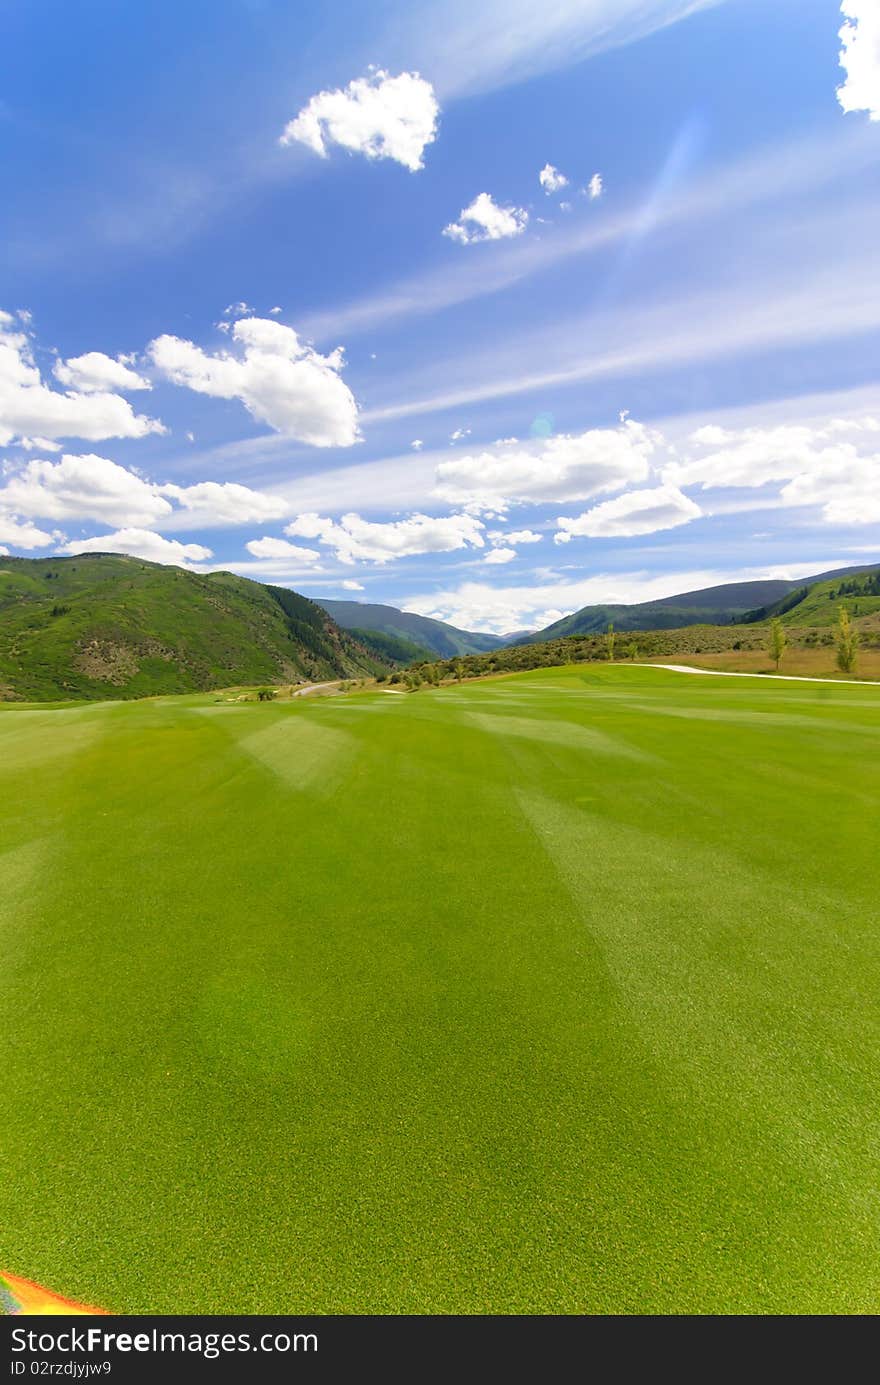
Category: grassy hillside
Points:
column 551, row 994
column 434, row 635
column 819, row 603
column 392, row 649
column 810, row 649
column 724, row 605
column 104, row 625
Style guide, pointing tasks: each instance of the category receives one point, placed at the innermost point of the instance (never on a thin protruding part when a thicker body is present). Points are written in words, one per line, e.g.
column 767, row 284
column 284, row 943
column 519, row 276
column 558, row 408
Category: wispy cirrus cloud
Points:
column 796, row 168
column 481, row 47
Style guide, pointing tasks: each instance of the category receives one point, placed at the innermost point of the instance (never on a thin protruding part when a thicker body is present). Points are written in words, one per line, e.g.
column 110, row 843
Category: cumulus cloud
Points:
column 381, row 116
column 91, row 487
column 280, row 380
column 215, row 502
column 845, row 485
column 523, row 536
column 595, row 187
column 141, row 543
column 635, row 512
column 500, row 555
column 458, row 433
column 38, row 445
column 751, row 457
column 551, row 179
column 86, row 487
column 351, row 586
column 21, row 534
column 486, row 220
column 417, row 444
column 860, row 57
column 30, row 408
column 833, row 464
column 354, row 539
column 565, row 467
column 280, row 548
column 95, row 373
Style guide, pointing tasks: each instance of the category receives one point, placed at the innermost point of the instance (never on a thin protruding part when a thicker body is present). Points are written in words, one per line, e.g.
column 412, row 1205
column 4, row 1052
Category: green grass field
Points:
column 556, row 993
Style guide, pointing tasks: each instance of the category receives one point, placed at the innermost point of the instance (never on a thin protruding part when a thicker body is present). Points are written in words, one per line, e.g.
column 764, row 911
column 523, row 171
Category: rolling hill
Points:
column 435, row 635
column 723, row 605
column 102, row 625
column 819, row 603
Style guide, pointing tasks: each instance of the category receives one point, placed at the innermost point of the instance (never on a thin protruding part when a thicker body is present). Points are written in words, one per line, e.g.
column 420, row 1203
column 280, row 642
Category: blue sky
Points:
column 299, row 290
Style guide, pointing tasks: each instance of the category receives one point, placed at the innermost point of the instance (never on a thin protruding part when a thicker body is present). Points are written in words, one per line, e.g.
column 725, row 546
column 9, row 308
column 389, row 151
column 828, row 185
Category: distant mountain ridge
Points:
column 102, row 625
column 434, row 635
column 723, row 605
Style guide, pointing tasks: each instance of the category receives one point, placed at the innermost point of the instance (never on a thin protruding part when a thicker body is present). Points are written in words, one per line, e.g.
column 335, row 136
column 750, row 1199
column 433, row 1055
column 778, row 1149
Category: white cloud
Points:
column 500, row 555
column 355, row 539
column 4, row 552
column 417, row 444
column 38, row 445
column 29, row 407
column 753, row 457
column 86, row 487
column 486, row 220
column 860, row 57
column 551, row 179
column 827, row 463
column 711, row 435
column 214, row 502
column 595, row 187
column 90, row 487
column 458, row 434
column 22, row 535
column 273, row 312
column 380, row 116
column 141, row 543
column 635, row 512
column 524, row 536
column 279, row 380
column 566, row 467
column 845, row 485
column 280, row 548
column 95, row 373
column 351, row 586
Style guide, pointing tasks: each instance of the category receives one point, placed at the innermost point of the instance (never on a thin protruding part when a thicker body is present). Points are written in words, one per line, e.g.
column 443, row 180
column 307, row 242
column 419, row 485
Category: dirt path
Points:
column 314, row 687
column 782, row 677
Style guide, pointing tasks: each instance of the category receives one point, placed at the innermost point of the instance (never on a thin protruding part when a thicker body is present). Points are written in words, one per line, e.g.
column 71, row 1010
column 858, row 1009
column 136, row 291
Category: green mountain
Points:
column 724, row 605
column 392, row 649
column 435, row 635
column 101, row 625
column 819, row 603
